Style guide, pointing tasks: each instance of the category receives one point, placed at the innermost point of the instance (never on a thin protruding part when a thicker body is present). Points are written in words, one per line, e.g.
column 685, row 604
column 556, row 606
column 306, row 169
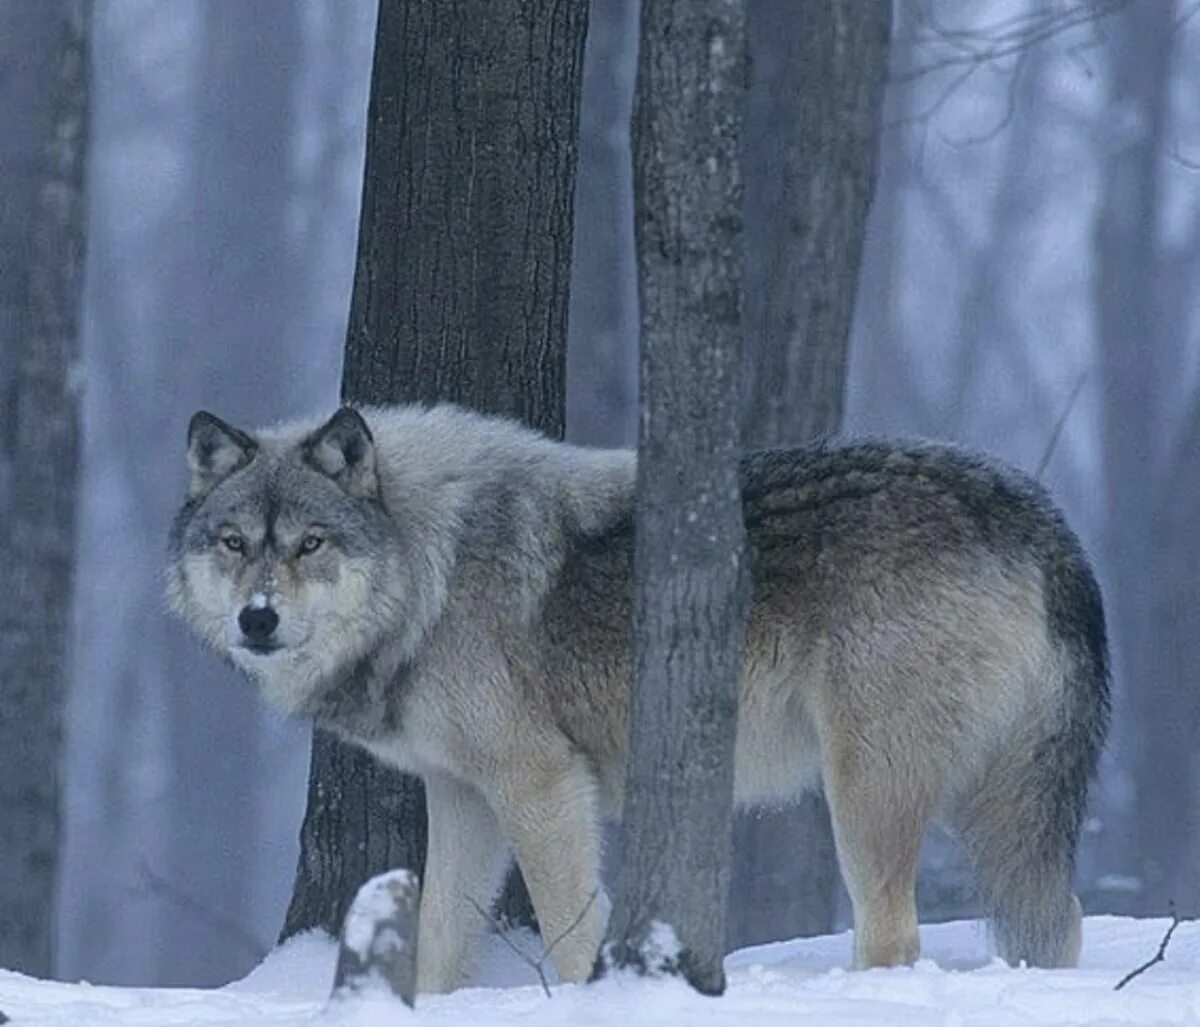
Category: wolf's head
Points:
column 284, row 558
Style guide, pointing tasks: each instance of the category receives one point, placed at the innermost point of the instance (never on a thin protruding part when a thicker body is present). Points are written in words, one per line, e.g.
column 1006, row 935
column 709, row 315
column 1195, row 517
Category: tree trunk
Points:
column 45, row 63
column 813, row 126
column 690, row 571
column 1141, row 366
column 460, row 294
column 603, row 336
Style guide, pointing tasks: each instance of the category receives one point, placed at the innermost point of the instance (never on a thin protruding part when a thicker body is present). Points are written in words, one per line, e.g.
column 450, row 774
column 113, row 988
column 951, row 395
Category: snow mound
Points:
column 957, row 982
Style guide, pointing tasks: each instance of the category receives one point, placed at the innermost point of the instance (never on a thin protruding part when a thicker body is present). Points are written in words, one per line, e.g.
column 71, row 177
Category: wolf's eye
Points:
column 310, row 544
column 234, row 543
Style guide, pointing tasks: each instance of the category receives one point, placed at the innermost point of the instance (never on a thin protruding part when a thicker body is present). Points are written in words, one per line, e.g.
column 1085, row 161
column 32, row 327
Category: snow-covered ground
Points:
column 793, row 983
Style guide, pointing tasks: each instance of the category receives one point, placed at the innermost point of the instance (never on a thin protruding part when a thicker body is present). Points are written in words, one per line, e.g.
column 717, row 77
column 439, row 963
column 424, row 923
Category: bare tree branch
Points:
column 1010, row 110
column 1008, row 37
column 1059, row 425
column 513, row 947
column 573, row 924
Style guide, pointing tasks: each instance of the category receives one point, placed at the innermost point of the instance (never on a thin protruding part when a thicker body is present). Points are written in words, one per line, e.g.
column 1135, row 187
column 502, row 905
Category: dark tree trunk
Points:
column 44, row 61
column 460, row 294
column 690, row 573
column 812, row 129
column 813, row 147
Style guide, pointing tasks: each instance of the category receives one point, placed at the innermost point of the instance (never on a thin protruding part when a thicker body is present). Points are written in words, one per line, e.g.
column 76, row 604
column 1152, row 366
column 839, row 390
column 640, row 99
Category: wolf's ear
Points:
column 215, row 451
column 344, row 449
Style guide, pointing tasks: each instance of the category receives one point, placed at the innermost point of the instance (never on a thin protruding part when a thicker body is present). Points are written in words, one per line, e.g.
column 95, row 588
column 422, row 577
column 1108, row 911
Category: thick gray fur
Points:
column 926, row 641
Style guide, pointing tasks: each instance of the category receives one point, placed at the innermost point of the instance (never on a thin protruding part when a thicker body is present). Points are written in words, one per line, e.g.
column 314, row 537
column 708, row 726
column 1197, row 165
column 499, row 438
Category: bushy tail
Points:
column 1022, row 826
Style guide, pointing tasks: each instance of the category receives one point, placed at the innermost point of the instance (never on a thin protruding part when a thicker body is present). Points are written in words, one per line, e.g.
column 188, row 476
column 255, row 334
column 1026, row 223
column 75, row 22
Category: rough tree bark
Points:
column 460, row 294
column 44, row 62
column 690, row 573
column 812, row 128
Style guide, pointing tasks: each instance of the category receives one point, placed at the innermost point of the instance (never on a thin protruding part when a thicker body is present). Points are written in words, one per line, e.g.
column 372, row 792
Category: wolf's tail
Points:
column 1022, row 826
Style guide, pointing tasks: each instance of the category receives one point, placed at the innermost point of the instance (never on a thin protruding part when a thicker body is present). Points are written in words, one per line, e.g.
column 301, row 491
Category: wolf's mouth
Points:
column 260, row 648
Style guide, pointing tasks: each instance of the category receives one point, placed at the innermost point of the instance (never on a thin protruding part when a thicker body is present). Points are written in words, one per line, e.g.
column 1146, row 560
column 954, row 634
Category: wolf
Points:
column 453, row 592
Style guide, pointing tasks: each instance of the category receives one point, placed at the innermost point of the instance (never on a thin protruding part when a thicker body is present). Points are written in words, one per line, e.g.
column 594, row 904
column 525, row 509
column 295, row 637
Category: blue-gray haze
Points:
column 1035, row 227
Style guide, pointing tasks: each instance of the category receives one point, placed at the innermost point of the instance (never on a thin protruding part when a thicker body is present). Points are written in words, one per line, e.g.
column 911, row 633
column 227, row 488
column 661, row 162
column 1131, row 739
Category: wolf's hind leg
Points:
column 878, row 823
column 463, row 869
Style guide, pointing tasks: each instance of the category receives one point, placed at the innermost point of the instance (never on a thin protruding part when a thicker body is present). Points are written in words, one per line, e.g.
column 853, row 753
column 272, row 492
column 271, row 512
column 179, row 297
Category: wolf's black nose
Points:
column 258, row 622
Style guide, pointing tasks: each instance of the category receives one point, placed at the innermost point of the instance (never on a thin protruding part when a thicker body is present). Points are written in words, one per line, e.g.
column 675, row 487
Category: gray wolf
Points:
column 926, row 640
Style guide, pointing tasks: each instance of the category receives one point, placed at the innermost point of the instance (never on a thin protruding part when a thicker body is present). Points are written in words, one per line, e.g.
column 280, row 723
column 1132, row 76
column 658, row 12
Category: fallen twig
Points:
column 538, row 965
column 1159, row 956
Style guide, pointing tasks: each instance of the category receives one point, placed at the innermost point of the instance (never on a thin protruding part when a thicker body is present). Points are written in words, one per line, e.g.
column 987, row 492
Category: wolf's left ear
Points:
column 344, row 449
column 215, row 451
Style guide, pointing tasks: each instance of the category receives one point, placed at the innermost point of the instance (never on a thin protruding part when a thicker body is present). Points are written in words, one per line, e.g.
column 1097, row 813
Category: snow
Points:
column 377, row 901
column 661, row 948
column 799, row 982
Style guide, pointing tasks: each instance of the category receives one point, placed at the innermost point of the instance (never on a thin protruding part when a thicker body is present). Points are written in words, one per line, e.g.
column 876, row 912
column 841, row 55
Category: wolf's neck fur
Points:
column 365, row 699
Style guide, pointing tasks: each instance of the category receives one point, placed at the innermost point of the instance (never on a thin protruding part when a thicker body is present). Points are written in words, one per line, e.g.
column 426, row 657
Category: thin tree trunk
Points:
column 603, row 336
column 813, row 127
column 690, row 572
column 40, row 441
column 460, row 294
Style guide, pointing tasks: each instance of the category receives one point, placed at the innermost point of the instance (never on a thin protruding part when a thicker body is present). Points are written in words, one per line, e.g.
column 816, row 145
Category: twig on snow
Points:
column 1159, row 957
column 538, row 965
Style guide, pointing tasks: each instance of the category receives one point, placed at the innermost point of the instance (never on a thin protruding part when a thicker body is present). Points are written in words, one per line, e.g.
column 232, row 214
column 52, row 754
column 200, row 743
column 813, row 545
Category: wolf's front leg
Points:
column 463, row 867
column 550, row 817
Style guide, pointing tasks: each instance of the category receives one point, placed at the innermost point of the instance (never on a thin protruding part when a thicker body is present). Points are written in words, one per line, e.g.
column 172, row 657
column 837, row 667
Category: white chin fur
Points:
column 280, row 676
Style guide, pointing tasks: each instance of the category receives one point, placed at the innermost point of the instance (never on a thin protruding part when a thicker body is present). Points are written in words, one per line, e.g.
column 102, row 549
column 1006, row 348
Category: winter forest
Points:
column 1027, row 256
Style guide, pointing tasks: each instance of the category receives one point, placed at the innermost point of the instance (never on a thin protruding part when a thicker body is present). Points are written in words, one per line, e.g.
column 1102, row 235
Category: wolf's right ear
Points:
column 344, row 449
column 215, row 451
